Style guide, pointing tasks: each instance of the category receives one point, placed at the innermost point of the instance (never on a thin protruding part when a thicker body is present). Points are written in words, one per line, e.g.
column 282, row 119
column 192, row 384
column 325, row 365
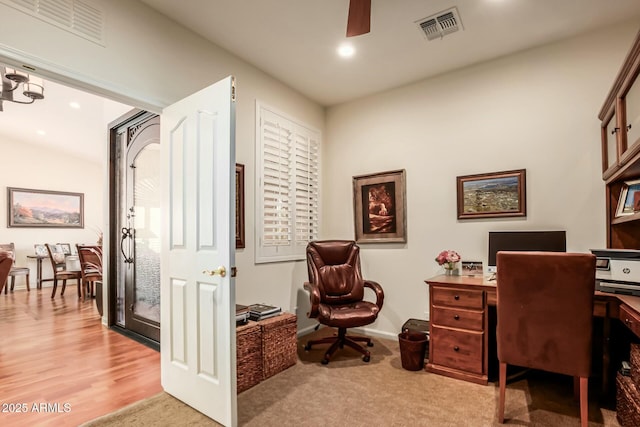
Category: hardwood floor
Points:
column 60, row 366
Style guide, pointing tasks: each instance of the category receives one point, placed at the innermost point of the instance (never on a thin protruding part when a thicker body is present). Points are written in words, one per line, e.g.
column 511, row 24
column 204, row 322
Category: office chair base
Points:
column 340, row 341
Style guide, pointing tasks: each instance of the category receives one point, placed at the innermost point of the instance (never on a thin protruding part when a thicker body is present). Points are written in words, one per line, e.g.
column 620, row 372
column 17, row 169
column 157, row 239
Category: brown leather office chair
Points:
column 57, row 258
column 15, row 271
column 6, row 261
column 90, row 266
column 545, row 309
column 336, row 290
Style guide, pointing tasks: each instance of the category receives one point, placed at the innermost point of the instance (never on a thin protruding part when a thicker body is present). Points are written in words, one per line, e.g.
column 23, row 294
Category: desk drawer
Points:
column 456, row 349
column 458, row 318
column 630, row 319
column 450, row 297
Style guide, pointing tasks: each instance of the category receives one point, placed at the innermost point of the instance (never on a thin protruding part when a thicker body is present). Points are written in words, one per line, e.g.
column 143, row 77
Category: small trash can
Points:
column 413, row 346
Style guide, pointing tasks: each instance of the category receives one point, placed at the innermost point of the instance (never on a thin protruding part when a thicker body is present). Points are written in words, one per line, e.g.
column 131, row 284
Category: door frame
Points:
column 113, row 213
column 84, row 82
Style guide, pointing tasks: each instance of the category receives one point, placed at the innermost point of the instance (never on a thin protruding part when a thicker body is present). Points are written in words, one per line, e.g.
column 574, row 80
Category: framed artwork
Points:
column 629, row 201
column 239, row 205
column 472, row 268
column 43, row 208
column 380, row 207
column 40, row 250
column 492, row 195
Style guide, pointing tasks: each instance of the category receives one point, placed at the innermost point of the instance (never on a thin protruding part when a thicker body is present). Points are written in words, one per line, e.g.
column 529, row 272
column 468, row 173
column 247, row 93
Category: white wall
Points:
column 36, row 167
column 535, row 110
column 150, row 62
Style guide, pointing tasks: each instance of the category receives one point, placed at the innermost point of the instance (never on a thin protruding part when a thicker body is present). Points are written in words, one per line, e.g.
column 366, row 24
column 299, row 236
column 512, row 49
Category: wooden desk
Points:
column 39, row 278
column 461, row 339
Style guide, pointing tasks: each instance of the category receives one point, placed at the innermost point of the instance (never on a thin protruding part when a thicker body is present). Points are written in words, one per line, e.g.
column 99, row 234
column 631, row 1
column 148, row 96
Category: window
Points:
column 287, row 177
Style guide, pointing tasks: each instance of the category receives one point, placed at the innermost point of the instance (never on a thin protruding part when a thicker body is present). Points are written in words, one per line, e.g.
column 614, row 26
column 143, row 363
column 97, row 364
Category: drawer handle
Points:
column 456, row 348
column 456, row 317
column 456, row 297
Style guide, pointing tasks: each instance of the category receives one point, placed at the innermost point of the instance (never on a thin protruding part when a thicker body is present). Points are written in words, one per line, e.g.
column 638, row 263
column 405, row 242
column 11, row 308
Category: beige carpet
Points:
column 379, row 393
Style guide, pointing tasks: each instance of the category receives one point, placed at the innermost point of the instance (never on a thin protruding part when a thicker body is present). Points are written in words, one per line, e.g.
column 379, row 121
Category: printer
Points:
column 618, row 271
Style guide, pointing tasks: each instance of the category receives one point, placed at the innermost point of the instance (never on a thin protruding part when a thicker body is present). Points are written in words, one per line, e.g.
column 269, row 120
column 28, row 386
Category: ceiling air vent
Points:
column 81, row 18
column 439, row 25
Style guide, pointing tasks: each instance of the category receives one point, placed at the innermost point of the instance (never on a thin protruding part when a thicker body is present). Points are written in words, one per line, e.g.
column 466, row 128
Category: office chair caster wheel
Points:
column 370, row 344
column 325, row 361
column 307, row 347
column 366, row 358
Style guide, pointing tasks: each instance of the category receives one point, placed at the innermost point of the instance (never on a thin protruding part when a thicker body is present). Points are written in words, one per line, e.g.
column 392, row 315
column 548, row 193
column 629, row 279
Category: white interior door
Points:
column 198, row 344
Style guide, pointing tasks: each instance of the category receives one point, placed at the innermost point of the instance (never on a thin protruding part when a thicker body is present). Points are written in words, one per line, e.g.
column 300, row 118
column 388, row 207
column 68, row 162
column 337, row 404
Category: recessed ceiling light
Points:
column 346, row 50
column 41, row 132
column 74, row 105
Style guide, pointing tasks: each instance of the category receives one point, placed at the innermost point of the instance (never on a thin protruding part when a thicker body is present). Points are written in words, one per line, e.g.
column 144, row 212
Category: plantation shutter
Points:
column 287, row 186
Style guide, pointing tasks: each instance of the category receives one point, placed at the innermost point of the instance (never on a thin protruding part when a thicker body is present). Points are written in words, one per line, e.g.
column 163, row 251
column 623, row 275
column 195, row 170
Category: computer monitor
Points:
column 547, row 241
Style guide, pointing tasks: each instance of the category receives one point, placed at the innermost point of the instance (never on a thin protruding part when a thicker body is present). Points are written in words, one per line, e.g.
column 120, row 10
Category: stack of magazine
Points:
column 263, row 311
column 242, row 314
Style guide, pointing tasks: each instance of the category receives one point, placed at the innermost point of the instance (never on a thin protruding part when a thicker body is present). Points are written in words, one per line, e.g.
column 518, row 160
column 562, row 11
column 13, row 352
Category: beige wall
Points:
column 150, row 62
column 36, row 167
column 535, row 110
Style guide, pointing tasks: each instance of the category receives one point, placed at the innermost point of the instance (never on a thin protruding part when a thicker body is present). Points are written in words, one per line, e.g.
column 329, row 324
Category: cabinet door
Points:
column 610, row 141
column 632, row 101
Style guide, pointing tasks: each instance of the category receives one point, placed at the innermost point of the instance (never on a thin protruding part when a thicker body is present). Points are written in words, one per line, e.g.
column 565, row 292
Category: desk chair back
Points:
column 545, row 309
column 15, row 271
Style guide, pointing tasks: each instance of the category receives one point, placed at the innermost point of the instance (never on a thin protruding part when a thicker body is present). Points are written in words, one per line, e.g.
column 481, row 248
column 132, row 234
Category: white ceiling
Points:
column 79, row 132
column 296, row 40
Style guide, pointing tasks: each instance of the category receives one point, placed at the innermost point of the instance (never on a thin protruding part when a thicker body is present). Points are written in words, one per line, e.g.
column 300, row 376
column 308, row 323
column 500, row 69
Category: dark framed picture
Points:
column 43, row 208
column 492, row 195
column 239, row 205
column 629, row 200
column 380, row 207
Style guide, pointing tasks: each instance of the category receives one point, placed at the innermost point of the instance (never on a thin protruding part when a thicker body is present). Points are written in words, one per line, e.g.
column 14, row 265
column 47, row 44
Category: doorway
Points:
column 135, row 224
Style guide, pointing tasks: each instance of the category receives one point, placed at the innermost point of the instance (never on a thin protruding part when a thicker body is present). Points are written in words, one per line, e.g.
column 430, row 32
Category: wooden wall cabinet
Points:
column 620, row 134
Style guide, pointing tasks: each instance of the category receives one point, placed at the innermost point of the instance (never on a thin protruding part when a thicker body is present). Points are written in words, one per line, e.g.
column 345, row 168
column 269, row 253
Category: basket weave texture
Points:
column 249, row 355
column 279, row 343
column 627, row 400
column 634, row 361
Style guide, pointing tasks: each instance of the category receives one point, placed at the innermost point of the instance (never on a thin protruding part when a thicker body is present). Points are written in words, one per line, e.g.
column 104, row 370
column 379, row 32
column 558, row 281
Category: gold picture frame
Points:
column 380, row 207
column 492, row 195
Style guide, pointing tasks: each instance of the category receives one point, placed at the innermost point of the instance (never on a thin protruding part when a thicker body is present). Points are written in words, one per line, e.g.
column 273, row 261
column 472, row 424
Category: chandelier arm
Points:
column 12, row 86
column 17, row 101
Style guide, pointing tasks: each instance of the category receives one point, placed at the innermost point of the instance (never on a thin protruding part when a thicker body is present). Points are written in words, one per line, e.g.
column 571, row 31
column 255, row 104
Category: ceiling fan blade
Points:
column 359, row 21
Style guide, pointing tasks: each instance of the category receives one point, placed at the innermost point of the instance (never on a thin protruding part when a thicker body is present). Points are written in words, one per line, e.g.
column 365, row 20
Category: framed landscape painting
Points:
column 492, row 195
column 43, row 208
column 380, row 207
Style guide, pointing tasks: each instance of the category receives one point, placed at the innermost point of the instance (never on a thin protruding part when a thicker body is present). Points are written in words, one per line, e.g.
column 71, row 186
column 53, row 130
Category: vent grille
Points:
column 76, row 16
column 441, row 24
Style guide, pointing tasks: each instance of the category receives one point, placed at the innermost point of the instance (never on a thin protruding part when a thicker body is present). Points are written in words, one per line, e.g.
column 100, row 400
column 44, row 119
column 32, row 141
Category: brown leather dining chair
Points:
column 58, row 264
column 15, row 271
column 90, row 266
column 6, row 261
column 545, row 310
column 336, row 289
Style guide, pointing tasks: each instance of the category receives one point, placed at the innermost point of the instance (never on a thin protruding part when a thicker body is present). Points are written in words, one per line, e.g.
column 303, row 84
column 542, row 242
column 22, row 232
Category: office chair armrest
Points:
column 377, row 289
column 314, row 296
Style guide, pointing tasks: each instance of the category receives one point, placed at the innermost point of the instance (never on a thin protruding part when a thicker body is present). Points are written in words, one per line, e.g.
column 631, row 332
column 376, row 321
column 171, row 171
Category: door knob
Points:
column 221, row 271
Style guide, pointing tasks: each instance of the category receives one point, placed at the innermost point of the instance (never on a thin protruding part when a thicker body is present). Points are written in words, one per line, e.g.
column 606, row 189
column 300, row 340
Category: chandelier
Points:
column 19, row 87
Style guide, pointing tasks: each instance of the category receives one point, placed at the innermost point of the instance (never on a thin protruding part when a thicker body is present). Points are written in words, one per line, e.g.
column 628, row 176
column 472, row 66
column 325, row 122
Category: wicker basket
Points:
column 249, row 355
column 627, row 400
column 634, row 361
column 279, row 343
